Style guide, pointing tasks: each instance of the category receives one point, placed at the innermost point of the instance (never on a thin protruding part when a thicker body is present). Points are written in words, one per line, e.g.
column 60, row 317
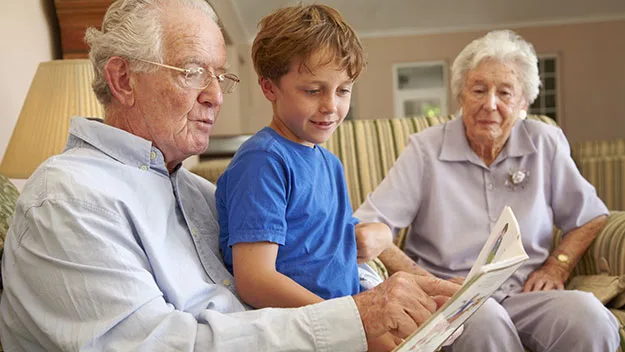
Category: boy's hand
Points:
column 371, row 239
column 401, row 303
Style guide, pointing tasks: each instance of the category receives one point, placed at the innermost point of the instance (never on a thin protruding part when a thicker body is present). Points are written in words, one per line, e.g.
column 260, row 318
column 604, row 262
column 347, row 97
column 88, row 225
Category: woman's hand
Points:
column 371, row 239
column 551, row 276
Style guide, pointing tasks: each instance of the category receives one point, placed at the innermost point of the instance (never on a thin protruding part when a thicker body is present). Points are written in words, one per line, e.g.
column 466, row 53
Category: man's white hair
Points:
column 502, row 45
column 132, row 29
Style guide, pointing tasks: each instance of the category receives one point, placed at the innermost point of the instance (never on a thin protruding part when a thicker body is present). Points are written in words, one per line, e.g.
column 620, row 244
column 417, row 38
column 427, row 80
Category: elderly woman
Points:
column 453, row 180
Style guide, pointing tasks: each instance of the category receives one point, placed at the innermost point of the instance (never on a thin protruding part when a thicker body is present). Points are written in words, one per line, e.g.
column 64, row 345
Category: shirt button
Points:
column 489, row 186
column 194, row 232
column 152, row 155
column 227, row 282
column 144, row 167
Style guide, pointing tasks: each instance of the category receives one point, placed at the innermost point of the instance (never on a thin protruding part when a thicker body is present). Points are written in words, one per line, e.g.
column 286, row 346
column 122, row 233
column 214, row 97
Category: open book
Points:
column 500, row 257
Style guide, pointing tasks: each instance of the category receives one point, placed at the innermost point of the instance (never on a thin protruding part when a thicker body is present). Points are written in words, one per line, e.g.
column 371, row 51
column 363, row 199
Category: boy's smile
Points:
column 308, row 105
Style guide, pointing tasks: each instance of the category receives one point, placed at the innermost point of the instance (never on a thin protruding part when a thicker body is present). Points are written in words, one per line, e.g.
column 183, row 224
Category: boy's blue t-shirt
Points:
column 283, row 192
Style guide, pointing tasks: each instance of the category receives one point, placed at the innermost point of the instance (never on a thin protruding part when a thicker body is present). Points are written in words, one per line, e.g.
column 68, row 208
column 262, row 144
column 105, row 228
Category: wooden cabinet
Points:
column 75, row 16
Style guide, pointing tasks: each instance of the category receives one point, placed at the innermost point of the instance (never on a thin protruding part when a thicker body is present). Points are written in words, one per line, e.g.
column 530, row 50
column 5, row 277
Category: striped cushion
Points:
column 368, row 149
column 607, row 174
column 8, row 198
column 211, row 169
column 598, row 148
column 603, row 164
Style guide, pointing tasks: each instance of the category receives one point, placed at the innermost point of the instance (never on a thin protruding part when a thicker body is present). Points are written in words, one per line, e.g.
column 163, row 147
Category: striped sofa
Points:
column 368, row 148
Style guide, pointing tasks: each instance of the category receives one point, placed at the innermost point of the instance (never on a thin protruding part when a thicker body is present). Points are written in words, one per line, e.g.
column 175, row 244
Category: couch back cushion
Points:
column 368, row 149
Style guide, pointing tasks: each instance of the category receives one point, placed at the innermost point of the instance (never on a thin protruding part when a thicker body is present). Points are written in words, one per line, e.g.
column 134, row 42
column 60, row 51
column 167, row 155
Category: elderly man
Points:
column 115, row 246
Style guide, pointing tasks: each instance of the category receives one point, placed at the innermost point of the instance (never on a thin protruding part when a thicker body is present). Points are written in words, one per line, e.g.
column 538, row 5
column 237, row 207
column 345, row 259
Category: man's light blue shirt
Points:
column 451, row 199
column 108, row 250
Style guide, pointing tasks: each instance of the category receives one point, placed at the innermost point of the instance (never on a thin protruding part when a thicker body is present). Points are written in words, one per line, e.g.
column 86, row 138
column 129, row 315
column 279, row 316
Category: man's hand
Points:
column 371, row 239
column 457, row 280
column 384, row 343
column 551, row 276
column 401, row 303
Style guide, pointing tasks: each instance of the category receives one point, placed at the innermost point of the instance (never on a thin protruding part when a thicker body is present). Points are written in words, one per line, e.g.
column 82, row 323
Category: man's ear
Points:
column 118, row 76
column 268, row 88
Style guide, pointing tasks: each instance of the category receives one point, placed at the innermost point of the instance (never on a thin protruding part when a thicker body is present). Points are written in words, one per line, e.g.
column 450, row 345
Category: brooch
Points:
column 517, row 178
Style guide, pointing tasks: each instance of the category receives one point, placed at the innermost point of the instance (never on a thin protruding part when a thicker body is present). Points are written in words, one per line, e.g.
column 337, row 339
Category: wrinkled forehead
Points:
column 192, row 36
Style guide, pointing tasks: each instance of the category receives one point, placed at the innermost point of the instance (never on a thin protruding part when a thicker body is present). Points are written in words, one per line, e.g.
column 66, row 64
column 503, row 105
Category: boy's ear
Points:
column 119, row 79
column 268, row 88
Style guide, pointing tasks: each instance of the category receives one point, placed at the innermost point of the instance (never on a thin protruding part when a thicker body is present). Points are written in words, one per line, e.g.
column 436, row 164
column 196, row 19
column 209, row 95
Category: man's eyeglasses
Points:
column 200, row 78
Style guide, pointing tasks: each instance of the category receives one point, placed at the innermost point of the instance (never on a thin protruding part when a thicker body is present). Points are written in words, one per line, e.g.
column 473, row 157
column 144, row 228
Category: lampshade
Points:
column 60, row 89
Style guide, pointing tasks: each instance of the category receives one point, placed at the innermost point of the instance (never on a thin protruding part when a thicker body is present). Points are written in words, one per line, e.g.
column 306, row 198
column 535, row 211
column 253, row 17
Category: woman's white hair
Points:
column 502, row 45
column 132, row 29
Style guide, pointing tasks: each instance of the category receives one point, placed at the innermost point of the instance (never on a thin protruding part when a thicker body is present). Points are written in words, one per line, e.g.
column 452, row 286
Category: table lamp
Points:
column 60, row 89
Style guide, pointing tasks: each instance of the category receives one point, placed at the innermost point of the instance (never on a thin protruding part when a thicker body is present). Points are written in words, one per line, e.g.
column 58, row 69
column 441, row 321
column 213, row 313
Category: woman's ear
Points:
column 119, row 79
column 523, row 114
column 268, row 88
column 523, row 111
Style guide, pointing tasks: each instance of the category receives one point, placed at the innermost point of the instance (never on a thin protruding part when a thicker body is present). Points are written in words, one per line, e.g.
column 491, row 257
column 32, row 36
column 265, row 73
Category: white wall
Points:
column 27, row 37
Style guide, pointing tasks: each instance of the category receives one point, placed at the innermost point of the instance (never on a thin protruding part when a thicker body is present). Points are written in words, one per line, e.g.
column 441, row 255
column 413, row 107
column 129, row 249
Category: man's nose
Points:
column 212, row 94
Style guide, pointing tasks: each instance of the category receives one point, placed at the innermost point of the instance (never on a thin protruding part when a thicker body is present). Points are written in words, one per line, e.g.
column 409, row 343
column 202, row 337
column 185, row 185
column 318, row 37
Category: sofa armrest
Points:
column 609, row 244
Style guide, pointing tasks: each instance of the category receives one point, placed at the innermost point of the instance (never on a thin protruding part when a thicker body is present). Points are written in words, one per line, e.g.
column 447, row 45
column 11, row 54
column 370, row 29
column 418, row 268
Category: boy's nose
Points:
column 329, row 105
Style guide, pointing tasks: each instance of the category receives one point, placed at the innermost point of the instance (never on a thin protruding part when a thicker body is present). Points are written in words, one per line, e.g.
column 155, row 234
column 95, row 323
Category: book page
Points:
column 436, row 330
column 504, row 242
column 500, row 257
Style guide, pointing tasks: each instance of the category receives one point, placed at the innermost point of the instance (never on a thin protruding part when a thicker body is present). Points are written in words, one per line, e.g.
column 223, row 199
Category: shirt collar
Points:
column 118, row 144
column 456, row 145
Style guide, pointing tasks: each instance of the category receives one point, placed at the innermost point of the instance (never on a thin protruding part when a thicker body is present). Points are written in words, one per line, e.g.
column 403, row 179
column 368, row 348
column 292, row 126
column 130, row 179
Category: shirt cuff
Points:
column 337, row 325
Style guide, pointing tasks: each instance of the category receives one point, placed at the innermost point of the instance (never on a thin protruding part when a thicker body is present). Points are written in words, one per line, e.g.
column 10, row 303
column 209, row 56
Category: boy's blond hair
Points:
column 300, row 31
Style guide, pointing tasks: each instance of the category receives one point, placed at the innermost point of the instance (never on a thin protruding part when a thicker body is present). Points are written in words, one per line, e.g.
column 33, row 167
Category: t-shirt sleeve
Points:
column 574, row 200
column 256, row 194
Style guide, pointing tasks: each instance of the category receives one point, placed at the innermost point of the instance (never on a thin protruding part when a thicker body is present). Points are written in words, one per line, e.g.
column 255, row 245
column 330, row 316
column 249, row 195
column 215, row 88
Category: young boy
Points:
column 287, row 230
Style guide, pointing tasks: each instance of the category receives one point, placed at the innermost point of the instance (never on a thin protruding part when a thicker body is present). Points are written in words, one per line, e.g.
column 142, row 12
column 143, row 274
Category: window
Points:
column 547, row 101
column 420, row 89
